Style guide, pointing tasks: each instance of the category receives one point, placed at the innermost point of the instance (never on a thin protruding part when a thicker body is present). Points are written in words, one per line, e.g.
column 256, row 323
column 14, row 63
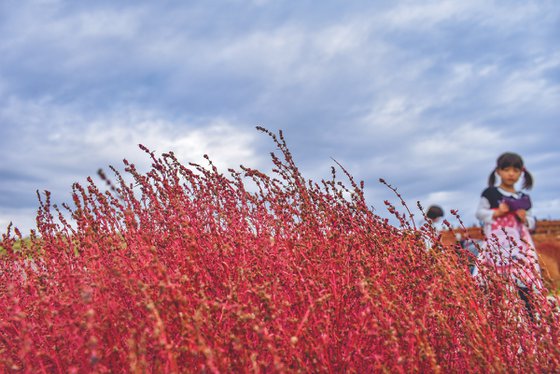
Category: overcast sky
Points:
column 425, row 94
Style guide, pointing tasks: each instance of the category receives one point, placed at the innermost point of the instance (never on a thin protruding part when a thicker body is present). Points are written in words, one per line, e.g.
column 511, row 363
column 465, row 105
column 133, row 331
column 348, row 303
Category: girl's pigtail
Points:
column 527, row 180
column 492, row 178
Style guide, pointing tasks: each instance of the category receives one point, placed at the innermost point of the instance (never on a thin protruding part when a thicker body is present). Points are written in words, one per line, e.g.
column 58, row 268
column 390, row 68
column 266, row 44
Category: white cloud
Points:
column 467, row 141
column 73, row 137
column 22, row 218
column 426, row 14
column 73, row 146
column 225, row 144
column 528, row 86
column 274, row 51
column 398, row 115
column 53, row 24
column 103, row 24
column 502, row 17
column 347, row 37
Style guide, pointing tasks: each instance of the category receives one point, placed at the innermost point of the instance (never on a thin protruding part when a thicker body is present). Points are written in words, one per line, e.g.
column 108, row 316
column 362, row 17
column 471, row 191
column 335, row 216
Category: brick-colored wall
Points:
column 545, row 231
column 548, row 228
column 547, row 244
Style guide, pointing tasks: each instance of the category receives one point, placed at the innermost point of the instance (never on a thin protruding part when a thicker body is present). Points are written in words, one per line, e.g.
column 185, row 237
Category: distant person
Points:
column 433, row 218
column 435, row 213
column 506, row 216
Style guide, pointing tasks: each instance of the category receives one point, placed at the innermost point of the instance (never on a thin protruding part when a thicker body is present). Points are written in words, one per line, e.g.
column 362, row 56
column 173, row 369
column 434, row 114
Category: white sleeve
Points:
column 483, row 211
column 531, row 220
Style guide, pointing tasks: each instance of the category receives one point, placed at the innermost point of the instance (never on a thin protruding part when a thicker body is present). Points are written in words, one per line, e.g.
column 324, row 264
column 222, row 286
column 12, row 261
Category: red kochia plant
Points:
column 184, row 268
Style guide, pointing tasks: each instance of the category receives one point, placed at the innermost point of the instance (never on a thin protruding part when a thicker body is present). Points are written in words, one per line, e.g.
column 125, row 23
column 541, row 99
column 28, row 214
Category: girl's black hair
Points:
column 511, row 159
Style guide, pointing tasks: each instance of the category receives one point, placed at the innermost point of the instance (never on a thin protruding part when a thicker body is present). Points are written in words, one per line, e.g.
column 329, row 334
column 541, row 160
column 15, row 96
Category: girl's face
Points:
column 509, row 176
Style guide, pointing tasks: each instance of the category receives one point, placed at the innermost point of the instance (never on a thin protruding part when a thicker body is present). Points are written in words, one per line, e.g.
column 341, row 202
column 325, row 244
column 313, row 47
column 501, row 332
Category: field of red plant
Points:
column 187, row 269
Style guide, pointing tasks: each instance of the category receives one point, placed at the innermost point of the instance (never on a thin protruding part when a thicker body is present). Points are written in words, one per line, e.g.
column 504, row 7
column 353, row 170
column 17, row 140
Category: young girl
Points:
column 506, row 215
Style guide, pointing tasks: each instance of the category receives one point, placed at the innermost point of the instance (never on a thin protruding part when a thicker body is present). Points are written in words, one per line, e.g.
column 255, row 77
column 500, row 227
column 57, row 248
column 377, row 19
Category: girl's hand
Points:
column 522, row 214
column 502, row 209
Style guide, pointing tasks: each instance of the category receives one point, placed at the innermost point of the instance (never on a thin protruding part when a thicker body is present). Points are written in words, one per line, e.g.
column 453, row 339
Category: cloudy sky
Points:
column 425, row 94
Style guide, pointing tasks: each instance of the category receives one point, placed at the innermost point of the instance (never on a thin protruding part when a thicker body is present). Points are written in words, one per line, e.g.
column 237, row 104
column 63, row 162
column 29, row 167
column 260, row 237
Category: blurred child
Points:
column 434, row 214
column 433, row 218
column 506, row 216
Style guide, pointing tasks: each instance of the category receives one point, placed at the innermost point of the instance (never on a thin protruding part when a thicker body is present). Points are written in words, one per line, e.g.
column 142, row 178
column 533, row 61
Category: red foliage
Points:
column 187, row 269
